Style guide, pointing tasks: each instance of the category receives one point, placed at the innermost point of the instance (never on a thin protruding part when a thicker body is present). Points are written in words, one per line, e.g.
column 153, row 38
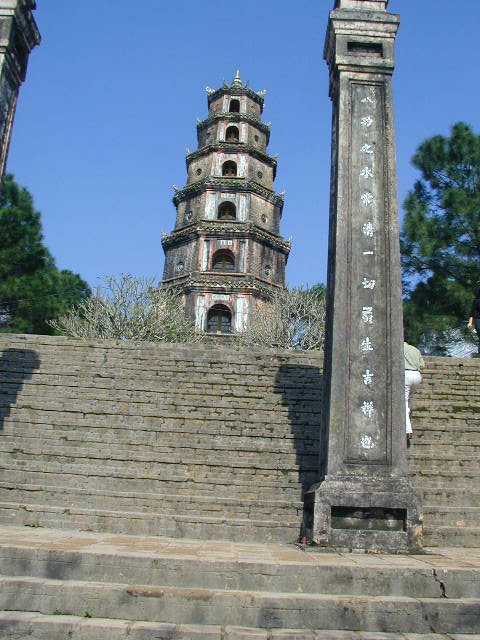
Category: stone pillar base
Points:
column 368, row 514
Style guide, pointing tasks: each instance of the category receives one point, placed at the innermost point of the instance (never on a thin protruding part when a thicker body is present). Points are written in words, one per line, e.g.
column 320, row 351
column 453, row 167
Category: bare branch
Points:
column 291, row 319
column 130, row 308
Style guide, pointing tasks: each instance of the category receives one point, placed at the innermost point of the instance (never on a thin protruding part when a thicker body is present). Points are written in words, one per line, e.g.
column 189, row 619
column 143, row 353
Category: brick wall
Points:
column 202, row 441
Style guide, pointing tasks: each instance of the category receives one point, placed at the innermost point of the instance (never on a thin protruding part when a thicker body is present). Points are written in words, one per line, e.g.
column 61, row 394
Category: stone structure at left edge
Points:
column 365, row 499
column 226, row 253
column 18, row 36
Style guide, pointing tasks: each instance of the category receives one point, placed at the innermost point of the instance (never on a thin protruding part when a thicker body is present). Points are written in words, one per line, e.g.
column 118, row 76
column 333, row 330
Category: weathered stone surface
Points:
column 88, row 583
column 445, row 449
column 19, row 626
column 18, row 36
column 364, row 499
column 184, row 440
column 203, row 442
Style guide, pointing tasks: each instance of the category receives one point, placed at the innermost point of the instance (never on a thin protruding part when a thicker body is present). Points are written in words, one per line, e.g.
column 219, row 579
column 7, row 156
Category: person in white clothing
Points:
column 413, row 363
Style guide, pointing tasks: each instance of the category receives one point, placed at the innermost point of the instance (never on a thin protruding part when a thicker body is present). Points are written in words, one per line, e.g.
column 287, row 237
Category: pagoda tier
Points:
column 225, row 251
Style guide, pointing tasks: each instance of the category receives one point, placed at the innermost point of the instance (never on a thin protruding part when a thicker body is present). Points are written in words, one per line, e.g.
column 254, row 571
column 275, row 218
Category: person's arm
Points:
column 472, row 315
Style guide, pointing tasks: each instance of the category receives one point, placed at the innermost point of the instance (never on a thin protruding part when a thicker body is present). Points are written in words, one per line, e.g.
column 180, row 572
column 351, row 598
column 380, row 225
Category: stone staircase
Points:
column 85, row 586
column 445, row 451
column 204, row 441
column 187, row 440
column 218, row 445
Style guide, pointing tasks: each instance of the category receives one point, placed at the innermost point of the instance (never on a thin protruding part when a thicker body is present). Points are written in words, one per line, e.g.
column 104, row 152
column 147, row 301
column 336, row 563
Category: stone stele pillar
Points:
column 365, row 500
column 18, row 36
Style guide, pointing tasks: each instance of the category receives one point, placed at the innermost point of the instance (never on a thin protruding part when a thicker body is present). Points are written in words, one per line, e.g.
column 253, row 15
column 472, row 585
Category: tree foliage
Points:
column 130, row 308
column 32, row 289
column 291, row 319
column 441, row 234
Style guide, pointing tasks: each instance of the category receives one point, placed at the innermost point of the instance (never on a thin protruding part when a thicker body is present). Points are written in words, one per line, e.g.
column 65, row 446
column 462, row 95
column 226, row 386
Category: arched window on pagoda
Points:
column 232, row 134
column 219, row 319
column 227, row 211
column 223, row 261
column 229, row 169
column 234, row 106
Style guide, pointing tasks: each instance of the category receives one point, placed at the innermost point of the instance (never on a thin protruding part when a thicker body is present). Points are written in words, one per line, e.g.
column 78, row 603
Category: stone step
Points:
column 450, row 432
column 25, row 437
column 167, row 504
column 249, row 484
column 182, row 456
column 462, row 484
column 230, row 607
column 444, row 419
column 69, row 367
column 422, row 486
column 449, row 435
column 428, row 455
column 446, row 429
column 184, row 404
column 39, row 422
column 451, row 536
column 444, row 497
column 439, row 484
column 441, row 456
column 163, row 467
column 196, row 469
column 452, row 528
column 442, row 415
column 147, row 523
column 155, row 402
column 451, row 462
column 421, row 443
column 438, row 515
column 74, row 556
column 444, row 473
column 160, row 402
column 468, row 447
column 18, row 625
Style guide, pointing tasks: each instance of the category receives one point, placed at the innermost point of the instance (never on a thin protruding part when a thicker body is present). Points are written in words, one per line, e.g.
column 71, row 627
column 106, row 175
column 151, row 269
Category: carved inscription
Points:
column 366, row 435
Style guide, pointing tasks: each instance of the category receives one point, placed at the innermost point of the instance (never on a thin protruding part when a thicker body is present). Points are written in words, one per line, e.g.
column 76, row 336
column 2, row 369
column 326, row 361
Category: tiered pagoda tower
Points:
column 225, row 252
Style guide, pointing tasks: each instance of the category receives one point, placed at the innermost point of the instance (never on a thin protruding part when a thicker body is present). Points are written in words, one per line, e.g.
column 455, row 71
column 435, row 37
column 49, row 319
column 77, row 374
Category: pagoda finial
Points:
column 237, row 81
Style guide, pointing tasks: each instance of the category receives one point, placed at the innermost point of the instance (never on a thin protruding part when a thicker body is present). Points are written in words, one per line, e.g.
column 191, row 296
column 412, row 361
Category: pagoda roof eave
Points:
column 236, row 91
column 224, row 283
column 227, row 184
column 239, row 146
column 215, row 227
column 235, row 117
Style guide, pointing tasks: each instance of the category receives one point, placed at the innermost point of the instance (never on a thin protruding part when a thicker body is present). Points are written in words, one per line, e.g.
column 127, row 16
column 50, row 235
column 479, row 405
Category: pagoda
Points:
column 226, row 253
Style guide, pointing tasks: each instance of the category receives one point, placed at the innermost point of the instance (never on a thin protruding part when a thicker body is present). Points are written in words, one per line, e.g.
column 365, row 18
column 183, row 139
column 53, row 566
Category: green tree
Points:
column 32, row 289
column 441, row 235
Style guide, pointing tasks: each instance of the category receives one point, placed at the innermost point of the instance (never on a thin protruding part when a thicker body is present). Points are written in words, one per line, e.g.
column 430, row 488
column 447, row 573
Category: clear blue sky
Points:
column 113, row 92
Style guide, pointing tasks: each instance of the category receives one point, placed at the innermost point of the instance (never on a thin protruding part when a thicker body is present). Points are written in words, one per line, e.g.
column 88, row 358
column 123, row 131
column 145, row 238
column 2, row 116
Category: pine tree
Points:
column 32, row 289
column 441, row 234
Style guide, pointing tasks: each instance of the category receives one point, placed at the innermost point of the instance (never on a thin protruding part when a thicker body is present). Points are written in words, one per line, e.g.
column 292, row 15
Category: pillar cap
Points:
column 366, row 5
